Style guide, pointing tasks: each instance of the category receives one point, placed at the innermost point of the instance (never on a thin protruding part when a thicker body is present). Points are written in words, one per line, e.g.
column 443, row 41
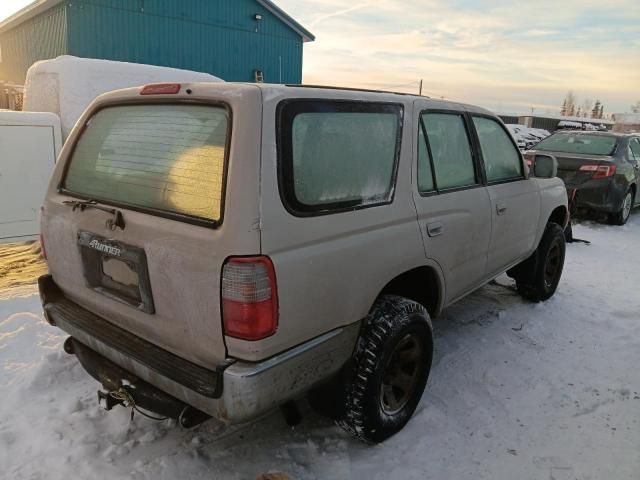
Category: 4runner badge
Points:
column 101, row 247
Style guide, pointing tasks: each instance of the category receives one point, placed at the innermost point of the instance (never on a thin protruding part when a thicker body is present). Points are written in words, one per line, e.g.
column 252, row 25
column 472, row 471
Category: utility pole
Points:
column 420, row 91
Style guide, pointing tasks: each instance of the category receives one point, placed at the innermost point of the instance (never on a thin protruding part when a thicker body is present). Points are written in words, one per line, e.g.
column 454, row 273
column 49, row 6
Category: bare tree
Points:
column 636, row 108
column 587, row 106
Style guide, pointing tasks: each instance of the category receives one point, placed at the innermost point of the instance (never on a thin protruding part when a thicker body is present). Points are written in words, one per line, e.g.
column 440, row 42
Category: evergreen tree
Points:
column 569, row 104
column 595, row 113
column 601, row 114
column 563, row 109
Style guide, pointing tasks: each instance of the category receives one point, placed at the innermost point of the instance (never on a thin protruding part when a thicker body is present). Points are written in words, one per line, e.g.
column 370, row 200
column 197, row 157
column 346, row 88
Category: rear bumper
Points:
column 600, row 195
column 234, row 392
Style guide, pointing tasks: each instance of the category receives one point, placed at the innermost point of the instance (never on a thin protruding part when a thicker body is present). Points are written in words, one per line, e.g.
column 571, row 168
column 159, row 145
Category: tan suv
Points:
column 221, row 249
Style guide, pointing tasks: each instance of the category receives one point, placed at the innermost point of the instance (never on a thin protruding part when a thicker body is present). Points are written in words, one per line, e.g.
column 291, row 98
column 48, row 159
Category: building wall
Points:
column 509, row 119
column 220, row 37
column 40, row 38
column 627, row 127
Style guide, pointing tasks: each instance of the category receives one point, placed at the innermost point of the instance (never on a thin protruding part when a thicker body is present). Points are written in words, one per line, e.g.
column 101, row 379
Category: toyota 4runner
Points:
column 217, row 250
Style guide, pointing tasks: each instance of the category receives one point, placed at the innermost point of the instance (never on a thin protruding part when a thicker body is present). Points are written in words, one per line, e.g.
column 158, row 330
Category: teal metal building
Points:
column 236, row 40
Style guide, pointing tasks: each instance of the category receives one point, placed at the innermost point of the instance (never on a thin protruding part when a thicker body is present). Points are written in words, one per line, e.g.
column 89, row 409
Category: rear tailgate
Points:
column 159, row 276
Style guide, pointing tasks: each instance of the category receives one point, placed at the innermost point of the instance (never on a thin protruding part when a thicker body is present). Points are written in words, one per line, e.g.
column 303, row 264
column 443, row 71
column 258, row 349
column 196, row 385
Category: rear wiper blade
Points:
column 112, row 224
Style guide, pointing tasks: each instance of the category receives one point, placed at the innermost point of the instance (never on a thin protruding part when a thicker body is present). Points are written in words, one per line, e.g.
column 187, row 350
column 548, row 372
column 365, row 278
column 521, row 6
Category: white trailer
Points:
column 67, row 85
column 31, row 140
column 29, row 145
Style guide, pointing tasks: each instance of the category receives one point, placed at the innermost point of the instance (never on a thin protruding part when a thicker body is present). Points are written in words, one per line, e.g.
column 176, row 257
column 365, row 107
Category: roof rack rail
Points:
column 351, row 89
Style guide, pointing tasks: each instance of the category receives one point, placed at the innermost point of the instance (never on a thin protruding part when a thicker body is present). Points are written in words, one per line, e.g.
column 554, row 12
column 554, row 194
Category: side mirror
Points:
column 545, row 166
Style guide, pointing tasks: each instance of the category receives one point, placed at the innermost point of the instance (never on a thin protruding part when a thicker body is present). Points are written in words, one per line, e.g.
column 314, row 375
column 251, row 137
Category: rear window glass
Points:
column 338, row 155
column 161, row 157
column 578, row 143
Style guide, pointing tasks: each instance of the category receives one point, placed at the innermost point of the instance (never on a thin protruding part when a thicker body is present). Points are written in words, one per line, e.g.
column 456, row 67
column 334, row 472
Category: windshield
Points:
column 578, row 143
column 162, row 157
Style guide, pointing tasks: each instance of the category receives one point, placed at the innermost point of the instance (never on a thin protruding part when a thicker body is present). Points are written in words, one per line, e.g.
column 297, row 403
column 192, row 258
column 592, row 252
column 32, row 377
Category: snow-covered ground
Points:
column 517, row 391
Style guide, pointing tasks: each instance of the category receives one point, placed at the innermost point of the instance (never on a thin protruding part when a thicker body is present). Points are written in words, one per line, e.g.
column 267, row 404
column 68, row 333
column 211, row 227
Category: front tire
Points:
column 537, row 277
column 391, row 366
column 621, row 217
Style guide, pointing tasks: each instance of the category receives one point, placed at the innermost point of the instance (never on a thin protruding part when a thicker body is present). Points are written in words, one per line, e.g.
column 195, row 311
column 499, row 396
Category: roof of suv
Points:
column 306, row 91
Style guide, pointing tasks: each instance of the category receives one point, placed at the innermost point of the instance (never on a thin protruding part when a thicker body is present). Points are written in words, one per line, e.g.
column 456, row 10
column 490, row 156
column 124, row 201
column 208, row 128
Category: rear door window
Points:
column 501, row 158
column 336, row 156
column 450, row 150
column 166, row 158
column 426, row 183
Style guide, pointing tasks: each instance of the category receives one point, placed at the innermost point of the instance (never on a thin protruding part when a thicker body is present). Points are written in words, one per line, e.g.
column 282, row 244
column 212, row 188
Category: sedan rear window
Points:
column 578, row 143
column 167, row 158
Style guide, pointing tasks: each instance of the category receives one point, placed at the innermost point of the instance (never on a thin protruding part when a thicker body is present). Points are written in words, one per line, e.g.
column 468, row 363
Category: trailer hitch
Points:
column 107, row 401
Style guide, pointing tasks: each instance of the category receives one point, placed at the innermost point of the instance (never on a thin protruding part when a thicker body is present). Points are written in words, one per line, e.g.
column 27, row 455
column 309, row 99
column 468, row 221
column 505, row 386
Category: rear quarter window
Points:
column 168, row 158
column 337, row 155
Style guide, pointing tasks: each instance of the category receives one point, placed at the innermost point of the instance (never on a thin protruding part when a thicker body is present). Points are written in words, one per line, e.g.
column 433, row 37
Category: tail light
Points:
column 249, row 298
column 599, row 171
column 529, row 158
column 42, row 247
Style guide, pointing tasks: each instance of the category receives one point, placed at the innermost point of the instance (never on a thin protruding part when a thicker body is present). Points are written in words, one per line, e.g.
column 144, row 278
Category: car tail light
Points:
column 42, row 247
column 529, row 159
column 599, row 171
column 249, row 298
column 160, row 89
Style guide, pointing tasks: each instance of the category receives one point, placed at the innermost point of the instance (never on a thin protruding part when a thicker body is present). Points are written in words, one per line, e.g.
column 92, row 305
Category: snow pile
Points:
column 517, row 390
column 67, row 85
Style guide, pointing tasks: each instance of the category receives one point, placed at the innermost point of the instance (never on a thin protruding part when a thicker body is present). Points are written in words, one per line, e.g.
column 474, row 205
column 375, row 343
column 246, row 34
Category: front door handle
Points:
column 434, row 229
column 501, row 209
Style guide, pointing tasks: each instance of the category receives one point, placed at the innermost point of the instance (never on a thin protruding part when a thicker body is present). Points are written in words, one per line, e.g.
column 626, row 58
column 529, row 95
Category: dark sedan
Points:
column 600, row 169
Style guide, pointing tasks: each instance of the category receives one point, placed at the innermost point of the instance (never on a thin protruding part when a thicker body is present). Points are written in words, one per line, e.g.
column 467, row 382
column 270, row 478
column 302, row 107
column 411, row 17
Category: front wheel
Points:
column 391, row 366
column 621, row 217
column 537, row 277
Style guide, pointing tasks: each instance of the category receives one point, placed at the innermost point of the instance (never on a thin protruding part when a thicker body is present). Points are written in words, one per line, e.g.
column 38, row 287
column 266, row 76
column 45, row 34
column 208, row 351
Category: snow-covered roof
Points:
column 572, row 119
column 39, row 6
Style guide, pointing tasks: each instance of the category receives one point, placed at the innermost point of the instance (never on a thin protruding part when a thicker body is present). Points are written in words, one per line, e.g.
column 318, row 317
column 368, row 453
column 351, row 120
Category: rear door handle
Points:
column 501, row 209
column 434, row 229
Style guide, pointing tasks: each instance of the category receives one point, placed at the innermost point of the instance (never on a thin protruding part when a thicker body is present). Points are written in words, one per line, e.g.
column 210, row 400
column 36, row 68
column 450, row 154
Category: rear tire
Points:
column 537, row 277
column 621, row 217
column 391, row 366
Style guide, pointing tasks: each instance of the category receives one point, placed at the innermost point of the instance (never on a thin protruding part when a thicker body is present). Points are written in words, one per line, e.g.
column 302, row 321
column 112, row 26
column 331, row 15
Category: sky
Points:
column 509, row 56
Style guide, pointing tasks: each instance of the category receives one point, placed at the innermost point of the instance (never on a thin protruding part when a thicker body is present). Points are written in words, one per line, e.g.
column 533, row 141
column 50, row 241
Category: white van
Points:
column 29, row 145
